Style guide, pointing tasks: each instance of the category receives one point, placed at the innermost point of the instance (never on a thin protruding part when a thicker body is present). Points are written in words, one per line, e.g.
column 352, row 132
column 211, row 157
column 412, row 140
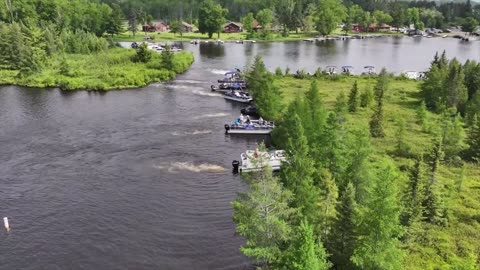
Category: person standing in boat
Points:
column 242, row 119
column 261, row 121
column 248, row 120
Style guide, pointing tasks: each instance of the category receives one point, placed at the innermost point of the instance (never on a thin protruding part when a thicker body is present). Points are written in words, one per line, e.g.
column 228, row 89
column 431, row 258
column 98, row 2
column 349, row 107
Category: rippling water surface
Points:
column 141, row 179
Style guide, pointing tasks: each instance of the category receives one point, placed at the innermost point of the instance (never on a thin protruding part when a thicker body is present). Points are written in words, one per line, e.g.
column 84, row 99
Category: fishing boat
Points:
column 369, row 70
column 347, row 70
column 331, row 70
column 225, row 87
column 232, row 77
column 238, row 96
column 255, row 160
column 255, row 127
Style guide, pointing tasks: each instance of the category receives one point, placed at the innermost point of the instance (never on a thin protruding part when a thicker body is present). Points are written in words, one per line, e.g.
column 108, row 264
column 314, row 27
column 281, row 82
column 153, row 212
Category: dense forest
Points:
column 385, row 177
column 64, row 43
column 299, row 13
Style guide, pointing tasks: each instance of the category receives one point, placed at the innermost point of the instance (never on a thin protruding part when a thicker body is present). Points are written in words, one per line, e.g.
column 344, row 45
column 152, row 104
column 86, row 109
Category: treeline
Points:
column 339, row 203
column 298, row 14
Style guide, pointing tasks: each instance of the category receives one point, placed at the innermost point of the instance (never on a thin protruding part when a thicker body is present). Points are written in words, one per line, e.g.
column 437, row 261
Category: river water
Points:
column 141, row 179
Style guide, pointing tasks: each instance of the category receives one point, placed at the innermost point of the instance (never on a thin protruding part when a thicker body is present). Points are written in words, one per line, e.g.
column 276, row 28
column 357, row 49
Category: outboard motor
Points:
column 227, row 128
column 235, row 165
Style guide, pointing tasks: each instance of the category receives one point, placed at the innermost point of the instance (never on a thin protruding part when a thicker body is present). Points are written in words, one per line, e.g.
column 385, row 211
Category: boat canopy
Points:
column 349, row 67
column 331, row 66
column 368, row 67
column 231, row 73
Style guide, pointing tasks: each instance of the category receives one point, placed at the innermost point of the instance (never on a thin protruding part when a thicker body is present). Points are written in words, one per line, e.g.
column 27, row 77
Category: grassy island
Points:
column 113, row 68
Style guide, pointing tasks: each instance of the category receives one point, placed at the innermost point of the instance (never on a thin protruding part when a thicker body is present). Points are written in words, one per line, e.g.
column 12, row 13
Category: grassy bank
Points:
column 448, row 246
column 112, row 69
column 164, row 36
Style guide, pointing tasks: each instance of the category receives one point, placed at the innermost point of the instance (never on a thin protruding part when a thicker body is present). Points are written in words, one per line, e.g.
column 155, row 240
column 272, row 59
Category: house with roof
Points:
column 186, row 27
column 155, row 27
column 233, row 27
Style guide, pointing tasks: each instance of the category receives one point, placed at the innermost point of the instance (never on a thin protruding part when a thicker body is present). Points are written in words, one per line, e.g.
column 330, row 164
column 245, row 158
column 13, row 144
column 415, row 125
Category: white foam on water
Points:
column 205, row 93
column 189, row 81
column 174, row 167
column 218, row 71
column 211, row 115
column 195, row 132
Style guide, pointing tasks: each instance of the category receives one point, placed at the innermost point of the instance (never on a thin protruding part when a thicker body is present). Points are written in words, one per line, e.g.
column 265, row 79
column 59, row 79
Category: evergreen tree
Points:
column 298, row 171
column 422, row 116
column 143, row 54
column 343, row 237
column 133, row 22
column 262, row 216
column 473, row 152
column 341, row 106
column 431, row 201
column 167, row 58
column 379, row 228
column 455, row 92
column 114, row 22
column 266, row 94
column 366, row 98
column 248, row 23
column 401, row 146
column 328, row 200
column 376, row 122
column 453, row 136
column 304, row 253
column 413, row 194
column 353, row 98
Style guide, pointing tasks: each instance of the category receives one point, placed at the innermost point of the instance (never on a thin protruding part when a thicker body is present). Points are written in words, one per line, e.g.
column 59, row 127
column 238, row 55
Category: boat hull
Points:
column 239, row 100
column 249, row 131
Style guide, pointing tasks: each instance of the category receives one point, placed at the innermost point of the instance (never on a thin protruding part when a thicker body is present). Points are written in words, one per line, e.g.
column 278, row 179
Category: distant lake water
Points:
column 141, row 179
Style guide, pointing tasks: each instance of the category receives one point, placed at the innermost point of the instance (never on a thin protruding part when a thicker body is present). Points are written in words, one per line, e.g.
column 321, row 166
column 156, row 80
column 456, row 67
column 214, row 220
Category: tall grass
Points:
column 110, row 69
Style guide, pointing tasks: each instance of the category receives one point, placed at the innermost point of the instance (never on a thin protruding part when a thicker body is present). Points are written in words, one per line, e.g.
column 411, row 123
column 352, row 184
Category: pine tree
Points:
column 262, row 216
column 343, row 237
column 341, row 107
column 366, row 98
column 316, row 107
column 297, row 173
column 413, row 195
column 453, row 136
column 455, row 93
column 167, row 58
column 421, row 113
column 473, row 152
column 304, row 253
column 401, row 146
column 431, row 201
column 143, row 54
column 132, row 22
column 379, row 229
column 328, row 200
column 376, row 122
column 353, row 98
column 265, row 92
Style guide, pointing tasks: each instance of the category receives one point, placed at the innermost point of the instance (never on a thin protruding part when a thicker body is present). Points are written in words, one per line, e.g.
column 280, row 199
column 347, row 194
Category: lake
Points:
column 141, row 178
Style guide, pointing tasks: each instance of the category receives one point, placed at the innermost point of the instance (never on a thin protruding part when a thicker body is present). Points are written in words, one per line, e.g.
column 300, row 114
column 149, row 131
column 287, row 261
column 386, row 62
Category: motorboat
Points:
column 414, row 75
column 220, row 42
column 232, row 77
column 225, row 87
column 255, row 160
column 195, row 41
column 331, row 70
column 369, row 70
column 250, row 110
column 238, row 96
column 347, row 70
column 254, row 127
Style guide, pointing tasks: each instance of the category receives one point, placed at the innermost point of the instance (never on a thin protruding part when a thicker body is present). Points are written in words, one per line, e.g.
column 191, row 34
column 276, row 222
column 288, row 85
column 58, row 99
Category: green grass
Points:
column 167, row 36
column 112, row 69
column 437, row 247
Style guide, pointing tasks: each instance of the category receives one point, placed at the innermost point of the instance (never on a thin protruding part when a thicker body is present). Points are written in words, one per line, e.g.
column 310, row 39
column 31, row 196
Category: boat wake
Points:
column 175, row 167
column 189, row 81
column 204, row 93
column 195, row 132
column 218, row 71
column 211, row 115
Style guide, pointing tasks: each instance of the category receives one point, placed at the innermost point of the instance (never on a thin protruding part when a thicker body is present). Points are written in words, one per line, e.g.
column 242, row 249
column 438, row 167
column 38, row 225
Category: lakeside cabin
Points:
column 156, row 27
column 233, row 27
column 187, row 28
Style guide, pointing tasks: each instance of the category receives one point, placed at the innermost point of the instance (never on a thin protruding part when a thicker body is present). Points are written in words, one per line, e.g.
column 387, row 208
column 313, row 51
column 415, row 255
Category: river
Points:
column 141, row 179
